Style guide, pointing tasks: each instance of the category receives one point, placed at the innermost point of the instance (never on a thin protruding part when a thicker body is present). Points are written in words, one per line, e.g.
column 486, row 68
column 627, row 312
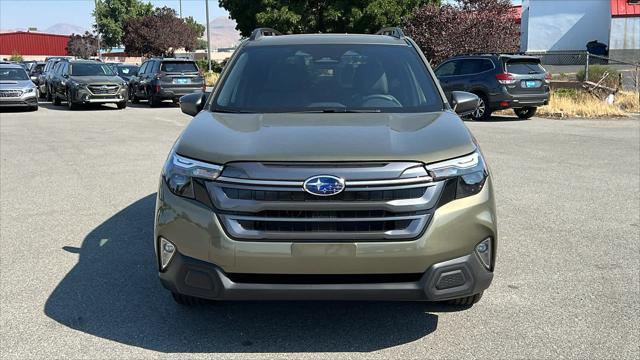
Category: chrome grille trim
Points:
column 110, row 90
column 388, row 201
column 387, row 182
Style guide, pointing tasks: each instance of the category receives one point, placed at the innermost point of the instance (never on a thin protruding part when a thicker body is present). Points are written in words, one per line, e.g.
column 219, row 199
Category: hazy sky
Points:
column 44, row 13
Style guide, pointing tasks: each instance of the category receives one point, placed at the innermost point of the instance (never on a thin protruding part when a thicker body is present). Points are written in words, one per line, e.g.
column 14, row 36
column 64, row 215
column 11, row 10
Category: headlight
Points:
column 180, row 171
column 29, row 90
column 469, row 171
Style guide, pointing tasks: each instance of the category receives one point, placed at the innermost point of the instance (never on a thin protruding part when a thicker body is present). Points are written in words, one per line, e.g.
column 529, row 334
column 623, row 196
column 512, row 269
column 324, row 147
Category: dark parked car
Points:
column 87, row 82
column 166, row 79
column 501, row 81
column 125, row 71
column 36, row 71
column 45, row 77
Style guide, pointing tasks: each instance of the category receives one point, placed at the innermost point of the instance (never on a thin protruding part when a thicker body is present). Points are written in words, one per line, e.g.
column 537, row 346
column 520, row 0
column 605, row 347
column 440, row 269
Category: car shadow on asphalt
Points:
column 85, row 107
column 113, row 292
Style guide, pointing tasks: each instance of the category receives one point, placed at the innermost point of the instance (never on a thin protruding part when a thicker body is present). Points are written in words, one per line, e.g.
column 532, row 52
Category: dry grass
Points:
column 579, row 104
column 211, row 78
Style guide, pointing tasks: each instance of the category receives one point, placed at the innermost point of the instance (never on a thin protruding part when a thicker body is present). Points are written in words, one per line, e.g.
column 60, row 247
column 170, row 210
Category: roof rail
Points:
column 260, row 32
column 396, row 32
column 491, row 53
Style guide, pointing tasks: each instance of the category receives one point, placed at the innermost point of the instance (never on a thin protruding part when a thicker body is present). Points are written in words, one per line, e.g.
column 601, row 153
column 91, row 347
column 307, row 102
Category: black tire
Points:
column 466, row 301
column 135, row 99
column 483, row 112
column 33, row 108
column 54, row 98
column 48, row 95
column 525, row 112
column 121, row 105
column 186, row 300
column 41, row 95
column 154, row 101
column 70, row 104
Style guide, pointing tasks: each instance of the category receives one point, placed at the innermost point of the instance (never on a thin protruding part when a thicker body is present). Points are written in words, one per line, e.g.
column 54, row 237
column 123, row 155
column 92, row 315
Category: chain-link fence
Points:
column 584, row 66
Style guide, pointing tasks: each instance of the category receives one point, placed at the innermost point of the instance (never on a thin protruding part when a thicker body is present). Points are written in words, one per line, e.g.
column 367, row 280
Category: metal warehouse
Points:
column 32, row 45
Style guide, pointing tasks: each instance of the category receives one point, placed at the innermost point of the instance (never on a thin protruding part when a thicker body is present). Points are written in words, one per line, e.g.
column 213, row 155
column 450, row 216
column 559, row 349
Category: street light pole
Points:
column 206, row 5
column 95, row 2
column 180, row 9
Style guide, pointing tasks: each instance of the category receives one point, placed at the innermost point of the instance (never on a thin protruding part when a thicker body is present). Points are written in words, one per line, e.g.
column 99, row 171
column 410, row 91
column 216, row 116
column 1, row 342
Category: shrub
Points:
column 596, row 72
column 16, row 57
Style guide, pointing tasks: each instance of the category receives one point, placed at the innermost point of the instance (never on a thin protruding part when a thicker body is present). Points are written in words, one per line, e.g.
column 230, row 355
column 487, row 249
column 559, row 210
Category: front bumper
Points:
column 206, row 254
column 451, row 279
column 85, row 96
column 27, row 99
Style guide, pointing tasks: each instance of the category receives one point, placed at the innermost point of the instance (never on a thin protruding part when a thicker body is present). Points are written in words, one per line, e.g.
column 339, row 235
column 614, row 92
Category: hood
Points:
column 16, row 84
column 115, row 80
column 428, row 137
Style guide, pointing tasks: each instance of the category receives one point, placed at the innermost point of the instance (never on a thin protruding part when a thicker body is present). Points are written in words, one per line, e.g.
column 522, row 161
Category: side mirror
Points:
column 464, row 103
column 34, row 78
column 191, row 104
column 66, row 76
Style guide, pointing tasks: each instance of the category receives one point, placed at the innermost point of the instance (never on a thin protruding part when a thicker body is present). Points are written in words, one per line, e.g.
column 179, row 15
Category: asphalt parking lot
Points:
column 78, row 280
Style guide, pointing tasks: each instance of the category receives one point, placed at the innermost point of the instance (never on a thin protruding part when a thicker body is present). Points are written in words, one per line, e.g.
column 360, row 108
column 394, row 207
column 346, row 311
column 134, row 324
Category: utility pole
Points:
column 180, row 9
column 95, row 2
column 206, row 5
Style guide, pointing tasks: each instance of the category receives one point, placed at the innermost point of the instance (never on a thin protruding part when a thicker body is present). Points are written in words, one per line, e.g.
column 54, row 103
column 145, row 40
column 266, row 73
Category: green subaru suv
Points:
column 326, row 166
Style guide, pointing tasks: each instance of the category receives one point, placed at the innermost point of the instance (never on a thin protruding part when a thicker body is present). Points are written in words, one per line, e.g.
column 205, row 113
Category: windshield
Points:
column 178, row 66
column 524, row 67
column 13, row 74
column 328, row 78
column 90, row 69
column 127, row 70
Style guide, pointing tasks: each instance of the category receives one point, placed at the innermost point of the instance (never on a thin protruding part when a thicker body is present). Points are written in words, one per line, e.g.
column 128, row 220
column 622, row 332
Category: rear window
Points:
column 328, row 78
column 524, row 67
column 178, row 66
column 127, row 70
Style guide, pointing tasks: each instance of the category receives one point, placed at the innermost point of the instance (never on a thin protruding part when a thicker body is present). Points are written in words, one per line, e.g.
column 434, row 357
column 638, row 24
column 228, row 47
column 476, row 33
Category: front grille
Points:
column 388, row 207
column 10, row 93
column 368, row 195
column 104, row 89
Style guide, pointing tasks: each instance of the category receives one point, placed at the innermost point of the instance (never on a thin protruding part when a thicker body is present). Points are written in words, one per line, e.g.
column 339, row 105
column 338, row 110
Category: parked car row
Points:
column 157, row 79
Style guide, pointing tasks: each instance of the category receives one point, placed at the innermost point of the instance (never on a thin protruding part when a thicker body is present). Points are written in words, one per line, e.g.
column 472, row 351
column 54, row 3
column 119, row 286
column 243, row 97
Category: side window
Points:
column 447, row 69
column 156, row 66
column 485, row 65
column 143, row 67
column 469, row 66
column 65, row 69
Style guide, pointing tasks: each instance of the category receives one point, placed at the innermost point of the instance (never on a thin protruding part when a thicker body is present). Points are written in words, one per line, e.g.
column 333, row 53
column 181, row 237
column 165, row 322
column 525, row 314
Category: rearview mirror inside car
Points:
column 464, row 103
column 191, row 104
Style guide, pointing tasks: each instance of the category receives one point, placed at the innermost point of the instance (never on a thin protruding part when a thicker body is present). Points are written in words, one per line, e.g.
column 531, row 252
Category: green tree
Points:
column 111, row 15
column 195, row 26
column 310, row 16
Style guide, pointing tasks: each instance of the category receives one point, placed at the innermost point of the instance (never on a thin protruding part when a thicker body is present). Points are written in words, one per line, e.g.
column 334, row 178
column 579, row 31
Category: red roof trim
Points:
column 33, row 33
column 623, row 8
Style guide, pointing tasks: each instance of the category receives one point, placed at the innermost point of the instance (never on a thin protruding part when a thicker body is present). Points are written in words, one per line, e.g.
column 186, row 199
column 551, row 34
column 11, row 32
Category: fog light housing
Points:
column 166, row 250
column 484, row 251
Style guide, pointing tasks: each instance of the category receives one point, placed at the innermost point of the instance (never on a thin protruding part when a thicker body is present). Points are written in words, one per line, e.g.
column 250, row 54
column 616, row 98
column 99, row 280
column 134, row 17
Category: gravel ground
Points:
column 77, row 277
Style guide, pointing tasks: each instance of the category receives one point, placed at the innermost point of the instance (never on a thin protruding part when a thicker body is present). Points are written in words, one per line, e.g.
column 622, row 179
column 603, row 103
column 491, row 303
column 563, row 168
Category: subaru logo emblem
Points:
column 323, row 185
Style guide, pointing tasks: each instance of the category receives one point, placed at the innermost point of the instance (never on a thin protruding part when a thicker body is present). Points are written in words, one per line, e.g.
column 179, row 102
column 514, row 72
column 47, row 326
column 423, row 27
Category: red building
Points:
column 32, row 44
